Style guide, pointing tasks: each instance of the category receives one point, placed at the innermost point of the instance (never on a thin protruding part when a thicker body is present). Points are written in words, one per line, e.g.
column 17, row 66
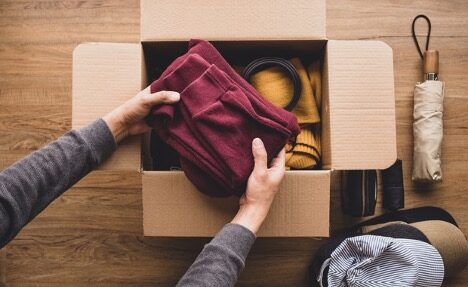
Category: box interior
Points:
column 158, row 55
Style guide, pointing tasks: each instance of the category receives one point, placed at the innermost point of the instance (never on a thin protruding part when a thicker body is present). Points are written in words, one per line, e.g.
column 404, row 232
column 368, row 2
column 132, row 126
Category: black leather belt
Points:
column 284, row 64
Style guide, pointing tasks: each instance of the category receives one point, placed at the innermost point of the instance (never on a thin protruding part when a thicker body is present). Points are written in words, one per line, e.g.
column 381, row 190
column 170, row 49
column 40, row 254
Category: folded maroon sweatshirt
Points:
column 218, row 116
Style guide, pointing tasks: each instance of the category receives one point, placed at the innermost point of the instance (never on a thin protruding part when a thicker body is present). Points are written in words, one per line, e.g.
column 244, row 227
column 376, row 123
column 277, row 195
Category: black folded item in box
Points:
column 359, row 192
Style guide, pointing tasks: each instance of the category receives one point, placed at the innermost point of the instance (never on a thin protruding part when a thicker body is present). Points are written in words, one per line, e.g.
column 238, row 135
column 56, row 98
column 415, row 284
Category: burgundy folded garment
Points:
column 218, row 116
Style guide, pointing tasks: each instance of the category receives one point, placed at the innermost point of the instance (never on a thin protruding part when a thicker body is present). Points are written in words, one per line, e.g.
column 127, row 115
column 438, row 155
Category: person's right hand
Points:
column 262, row 186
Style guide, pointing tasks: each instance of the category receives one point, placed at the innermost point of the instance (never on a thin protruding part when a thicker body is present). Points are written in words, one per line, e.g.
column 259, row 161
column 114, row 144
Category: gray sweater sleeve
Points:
column 221, row 260
column 29, row 185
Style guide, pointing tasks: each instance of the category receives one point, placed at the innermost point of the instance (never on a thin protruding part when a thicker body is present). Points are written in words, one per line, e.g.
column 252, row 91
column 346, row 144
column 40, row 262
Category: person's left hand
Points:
column 128, row 118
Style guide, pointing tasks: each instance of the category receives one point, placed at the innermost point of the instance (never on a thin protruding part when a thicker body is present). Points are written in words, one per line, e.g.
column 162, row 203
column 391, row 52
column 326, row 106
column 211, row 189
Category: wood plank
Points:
column 98, row 258
column 364, row 19
column 31, row 127
column 90, row 209
column 3, row 263
column 58, row 22
column 49, row 94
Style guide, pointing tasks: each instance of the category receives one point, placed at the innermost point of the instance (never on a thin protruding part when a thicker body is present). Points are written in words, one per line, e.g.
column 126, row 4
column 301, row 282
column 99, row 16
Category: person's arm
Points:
column 222, row 260
column 31, row 184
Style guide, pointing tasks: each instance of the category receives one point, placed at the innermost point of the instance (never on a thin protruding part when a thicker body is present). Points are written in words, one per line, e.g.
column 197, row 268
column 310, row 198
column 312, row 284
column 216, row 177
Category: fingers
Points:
column 260, row 157
column 279, row 160
column 162, row 97
column 277, row 168
column 139, row 128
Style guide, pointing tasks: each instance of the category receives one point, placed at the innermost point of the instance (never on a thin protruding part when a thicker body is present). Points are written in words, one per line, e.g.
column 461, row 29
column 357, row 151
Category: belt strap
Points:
column 284, row 64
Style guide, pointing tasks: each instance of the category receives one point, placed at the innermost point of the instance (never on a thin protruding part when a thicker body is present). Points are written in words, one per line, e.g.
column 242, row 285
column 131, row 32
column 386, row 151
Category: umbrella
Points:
column 427, row 115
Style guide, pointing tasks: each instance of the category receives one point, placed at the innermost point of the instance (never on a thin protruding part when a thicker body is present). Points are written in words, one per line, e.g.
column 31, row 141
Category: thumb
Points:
column 162, row 97
column 260, row 156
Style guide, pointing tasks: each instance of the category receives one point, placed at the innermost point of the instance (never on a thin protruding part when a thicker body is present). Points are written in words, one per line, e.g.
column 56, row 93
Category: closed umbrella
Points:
column 427, row 115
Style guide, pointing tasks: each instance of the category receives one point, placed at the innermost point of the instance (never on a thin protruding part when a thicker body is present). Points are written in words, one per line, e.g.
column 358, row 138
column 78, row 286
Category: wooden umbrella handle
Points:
column 431, row 62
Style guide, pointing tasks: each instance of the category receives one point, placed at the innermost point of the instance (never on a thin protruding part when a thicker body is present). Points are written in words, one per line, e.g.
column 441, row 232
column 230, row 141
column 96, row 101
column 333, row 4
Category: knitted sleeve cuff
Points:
column 237, row 238
column 100, row 139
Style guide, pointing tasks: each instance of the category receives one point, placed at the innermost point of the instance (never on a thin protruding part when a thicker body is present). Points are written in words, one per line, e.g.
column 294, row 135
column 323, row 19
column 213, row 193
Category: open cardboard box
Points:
column 358, row 108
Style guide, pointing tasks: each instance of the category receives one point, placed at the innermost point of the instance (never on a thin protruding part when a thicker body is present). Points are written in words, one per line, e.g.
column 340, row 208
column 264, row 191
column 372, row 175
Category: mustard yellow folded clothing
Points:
column 276, row 86
column 315, row 78
column 304, row 153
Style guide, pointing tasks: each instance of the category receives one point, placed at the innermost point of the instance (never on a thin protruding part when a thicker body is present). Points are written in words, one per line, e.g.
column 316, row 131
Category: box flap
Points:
column 359, row 105
column 172, row 206
column 104, row 76
column 173, row 20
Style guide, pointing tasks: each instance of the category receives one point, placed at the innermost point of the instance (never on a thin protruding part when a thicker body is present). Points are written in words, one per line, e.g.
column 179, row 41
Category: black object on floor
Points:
column 393, row 190
column 359, row 192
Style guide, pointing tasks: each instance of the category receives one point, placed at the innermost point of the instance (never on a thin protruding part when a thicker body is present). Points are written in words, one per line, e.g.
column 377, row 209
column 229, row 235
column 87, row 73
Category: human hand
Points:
column 262, row 186
column 128, row 118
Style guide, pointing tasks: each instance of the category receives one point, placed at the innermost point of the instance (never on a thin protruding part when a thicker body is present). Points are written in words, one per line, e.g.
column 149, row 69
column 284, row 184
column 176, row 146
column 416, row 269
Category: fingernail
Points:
column 174, row 95
column 257, row 142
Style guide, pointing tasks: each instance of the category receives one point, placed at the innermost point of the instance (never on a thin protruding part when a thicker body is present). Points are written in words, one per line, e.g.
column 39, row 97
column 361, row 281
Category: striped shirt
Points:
column 371, row 260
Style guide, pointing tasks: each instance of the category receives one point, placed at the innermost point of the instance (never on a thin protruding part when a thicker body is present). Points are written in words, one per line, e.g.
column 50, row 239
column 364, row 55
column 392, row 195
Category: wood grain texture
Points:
column 91, row 236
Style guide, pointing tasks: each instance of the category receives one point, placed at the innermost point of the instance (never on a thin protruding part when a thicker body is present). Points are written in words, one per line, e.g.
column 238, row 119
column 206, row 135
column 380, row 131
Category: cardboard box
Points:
column 358, row 109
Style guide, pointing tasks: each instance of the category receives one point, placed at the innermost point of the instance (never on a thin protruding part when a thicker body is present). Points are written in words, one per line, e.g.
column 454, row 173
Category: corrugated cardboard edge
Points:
column 172, row 206
column 360, row 103
column 105, row 75
column 325, row 117
column 177, row 20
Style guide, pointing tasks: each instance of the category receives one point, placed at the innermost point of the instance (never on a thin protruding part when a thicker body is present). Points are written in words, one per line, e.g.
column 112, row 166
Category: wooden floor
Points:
column 91, row 236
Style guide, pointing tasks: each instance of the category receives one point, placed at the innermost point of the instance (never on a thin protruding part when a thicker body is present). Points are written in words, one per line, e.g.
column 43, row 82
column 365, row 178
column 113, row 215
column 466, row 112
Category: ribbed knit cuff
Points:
column 100, row 139
column 236, row 238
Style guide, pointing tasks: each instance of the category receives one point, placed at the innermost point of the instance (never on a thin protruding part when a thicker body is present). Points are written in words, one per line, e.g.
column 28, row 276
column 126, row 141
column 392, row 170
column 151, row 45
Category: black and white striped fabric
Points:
column 371, row 260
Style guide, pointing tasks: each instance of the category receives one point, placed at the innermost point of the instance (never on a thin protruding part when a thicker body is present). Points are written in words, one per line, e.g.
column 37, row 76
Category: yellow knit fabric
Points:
column 277, row 87
column 304, row 153
column 315, row 78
